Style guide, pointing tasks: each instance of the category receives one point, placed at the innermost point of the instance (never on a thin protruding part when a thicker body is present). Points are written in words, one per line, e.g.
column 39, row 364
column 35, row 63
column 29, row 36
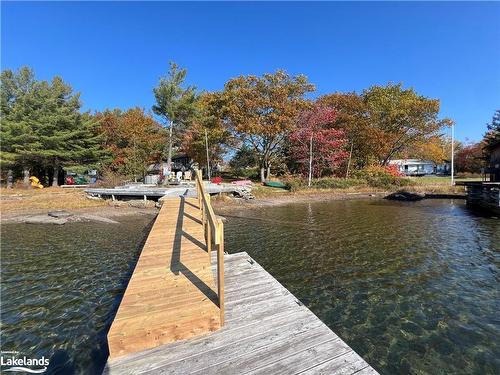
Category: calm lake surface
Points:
column 61, row 286
column 413, row 287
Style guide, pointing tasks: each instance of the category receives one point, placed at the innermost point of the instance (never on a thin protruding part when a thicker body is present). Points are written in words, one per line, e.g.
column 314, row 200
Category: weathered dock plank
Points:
column 267, row 331
column 171, row 294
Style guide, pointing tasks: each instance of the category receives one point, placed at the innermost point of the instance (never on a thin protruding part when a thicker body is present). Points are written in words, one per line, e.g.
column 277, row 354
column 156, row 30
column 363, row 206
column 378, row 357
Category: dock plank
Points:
column 267, row 331
column 171, row 293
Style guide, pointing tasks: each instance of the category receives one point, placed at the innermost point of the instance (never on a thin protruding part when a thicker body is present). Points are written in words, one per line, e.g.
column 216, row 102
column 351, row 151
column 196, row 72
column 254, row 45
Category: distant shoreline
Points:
column 226, row 204
column 19, row 205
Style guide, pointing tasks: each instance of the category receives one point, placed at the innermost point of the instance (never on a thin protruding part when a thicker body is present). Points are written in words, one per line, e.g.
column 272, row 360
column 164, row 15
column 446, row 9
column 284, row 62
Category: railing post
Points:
column 209, row 231
column 220, row 269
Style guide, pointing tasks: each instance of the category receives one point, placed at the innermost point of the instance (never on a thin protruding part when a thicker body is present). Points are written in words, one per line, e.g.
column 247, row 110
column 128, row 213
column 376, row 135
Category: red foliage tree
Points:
column 470, row 158
column 316, row 145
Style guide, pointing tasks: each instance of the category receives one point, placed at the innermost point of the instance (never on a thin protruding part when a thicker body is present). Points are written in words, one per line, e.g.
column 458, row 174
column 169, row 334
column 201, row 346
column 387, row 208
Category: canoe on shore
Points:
column 275, row 184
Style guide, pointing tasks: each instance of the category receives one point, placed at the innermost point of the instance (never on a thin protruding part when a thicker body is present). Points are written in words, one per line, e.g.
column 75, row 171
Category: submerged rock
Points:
column 98, row 219
column 405, row 196
column 45, row 219
column 60, row 214
column 62, row 217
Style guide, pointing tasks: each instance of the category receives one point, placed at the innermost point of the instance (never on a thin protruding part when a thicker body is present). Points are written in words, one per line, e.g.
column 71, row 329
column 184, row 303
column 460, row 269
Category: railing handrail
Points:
column 214, row 234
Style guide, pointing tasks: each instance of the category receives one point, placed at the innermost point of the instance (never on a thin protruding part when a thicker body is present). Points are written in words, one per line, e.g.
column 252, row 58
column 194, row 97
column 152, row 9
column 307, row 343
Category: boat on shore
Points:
column 275, row 184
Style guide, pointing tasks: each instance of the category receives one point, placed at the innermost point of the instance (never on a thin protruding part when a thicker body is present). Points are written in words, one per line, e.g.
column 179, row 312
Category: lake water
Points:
column 61, row 286
column 413, row 287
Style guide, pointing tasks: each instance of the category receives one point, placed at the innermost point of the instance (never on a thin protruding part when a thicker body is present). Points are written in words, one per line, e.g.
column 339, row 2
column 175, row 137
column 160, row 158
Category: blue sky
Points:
column 114, row 53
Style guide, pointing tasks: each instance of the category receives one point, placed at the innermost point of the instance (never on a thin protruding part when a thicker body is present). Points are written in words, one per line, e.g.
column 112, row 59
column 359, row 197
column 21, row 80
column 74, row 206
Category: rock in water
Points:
column 405, row 196
column 45, row 219
column 98, row 219
column 60, row 214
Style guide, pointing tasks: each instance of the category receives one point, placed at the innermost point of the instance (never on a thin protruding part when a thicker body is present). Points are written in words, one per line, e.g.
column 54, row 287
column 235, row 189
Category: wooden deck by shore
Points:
column 182, row 314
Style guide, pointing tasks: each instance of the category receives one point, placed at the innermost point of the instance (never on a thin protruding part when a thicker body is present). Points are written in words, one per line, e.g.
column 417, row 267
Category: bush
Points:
column 336, row 183
column 297, row 183
column 382, row 177
column 252, row 173
column 111, row 179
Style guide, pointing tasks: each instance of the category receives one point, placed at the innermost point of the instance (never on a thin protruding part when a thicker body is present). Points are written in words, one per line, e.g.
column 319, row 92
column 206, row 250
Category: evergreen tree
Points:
column 20, row 144
column 492, row 136
column 175, row 105
column 42, row 125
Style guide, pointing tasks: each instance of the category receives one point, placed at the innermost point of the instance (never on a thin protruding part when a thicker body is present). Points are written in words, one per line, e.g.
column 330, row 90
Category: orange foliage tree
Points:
column 262, row 111
column 134, row 140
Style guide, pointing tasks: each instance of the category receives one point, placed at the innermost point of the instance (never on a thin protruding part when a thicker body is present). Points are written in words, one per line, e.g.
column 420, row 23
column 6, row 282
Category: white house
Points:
column 414, row 167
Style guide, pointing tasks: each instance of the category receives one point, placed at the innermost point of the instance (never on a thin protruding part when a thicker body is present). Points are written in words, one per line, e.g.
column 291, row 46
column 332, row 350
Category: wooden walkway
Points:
column 267, row 331
column 171, row 295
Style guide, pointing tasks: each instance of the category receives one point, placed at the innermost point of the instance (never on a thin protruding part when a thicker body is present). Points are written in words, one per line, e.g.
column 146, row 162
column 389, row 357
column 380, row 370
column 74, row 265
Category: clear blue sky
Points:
column 114, row 53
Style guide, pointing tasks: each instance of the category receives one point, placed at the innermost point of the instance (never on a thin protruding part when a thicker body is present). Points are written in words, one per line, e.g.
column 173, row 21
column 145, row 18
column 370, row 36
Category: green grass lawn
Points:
column 438, row 180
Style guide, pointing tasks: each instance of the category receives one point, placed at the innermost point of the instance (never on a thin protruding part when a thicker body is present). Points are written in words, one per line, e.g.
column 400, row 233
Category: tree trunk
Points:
column 55, row 177
column 262, row 174
column 26, row 177
column 349, row 162
column 268, row 172
column 10, row 179
column 170, row 135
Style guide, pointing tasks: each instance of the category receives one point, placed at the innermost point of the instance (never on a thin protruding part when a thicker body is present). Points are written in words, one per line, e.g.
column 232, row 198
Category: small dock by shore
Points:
column 154, row 192
column 483, row 195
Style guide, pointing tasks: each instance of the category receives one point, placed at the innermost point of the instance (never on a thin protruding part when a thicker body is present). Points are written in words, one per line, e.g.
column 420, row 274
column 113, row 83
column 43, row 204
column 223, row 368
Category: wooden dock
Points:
column 190, row 310
column 171, row 294
column 267, row 331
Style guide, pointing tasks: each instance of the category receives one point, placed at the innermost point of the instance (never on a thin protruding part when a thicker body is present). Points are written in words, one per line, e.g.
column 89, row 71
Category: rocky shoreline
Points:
column 105, row 215
column 108, row 214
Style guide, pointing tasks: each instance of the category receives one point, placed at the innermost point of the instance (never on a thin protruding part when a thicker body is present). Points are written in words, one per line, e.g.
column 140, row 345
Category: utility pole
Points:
column 309, row 180
column 452, row 154
column 208, row 159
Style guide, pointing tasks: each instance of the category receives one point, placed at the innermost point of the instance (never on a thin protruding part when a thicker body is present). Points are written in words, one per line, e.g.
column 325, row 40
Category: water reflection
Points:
column 61, row 286
column 412, row 287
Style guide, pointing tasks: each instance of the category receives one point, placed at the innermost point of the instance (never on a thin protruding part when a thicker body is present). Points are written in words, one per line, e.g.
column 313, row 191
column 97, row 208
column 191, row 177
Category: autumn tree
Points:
column 401, row 118
column 433, row 148
column 352, row 118
column 207, row 132
column 176, row 105
column 316, row 145
column 469, row 158
column 262, row 111
column 134, row 140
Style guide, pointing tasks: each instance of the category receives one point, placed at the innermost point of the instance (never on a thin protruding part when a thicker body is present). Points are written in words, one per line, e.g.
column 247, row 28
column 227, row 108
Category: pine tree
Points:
column 42, row 125
column 20, row 144
column 175, row 104
column 492, row 136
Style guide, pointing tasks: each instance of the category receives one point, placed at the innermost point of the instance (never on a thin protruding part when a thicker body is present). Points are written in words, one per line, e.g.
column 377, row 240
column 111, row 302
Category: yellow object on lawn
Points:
column 35, row 182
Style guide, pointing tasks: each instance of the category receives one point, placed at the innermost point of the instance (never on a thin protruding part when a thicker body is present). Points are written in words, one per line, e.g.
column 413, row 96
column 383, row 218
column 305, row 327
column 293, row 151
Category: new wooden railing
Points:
column 214, row 235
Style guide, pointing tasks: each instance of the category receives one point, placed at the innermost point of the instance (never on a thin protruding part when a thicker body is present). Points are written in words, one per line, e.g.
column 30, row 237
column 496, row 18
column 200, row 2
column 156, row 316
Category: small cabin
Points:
column 414, row 167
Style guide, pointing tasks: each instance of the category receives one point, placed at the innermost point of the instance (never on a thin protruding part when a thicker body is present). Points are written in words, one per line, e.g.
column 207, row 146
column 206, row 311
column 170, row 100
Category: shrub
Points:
column 111, row 179
column 295, row 183
column 298, row 183
column 336, row 183
column 382, row 177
